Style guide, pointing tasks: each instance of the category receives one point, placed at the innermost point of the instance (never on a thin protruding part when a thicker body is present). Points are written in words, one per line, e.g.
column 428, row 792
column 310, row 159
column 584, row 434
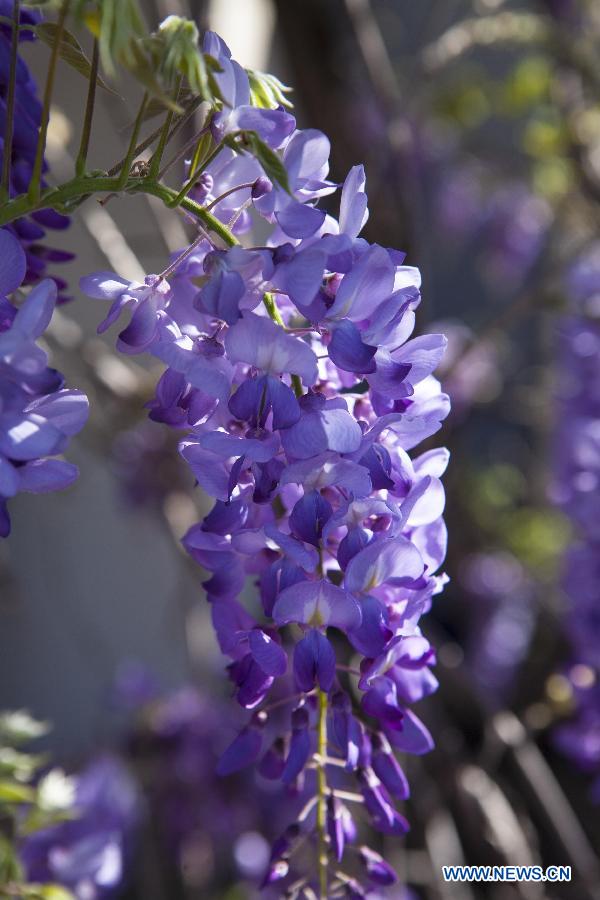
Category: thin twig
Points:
column 131, row 152
column 10, row 100
column 86, row 131
column 164, row 135
column 35, row 185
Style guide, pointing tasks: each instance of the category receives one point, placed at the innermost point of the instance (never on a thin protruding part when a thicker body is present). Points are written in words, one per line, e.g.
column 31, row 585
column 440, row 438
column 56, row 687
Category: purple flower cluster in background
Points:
column 30, row 230
column 294, row 366
column 508, row 222
column 207, row 831
column 503, row 617
column 37, row 414
column 577, row 491
column 88, row 853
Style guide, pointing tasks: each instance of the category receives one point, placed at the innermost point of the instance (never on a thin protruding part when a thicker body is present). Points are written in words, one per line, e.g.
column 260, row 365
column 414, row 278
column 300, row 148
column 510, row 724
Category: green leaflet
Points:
column 269, row 160
column 70, row 51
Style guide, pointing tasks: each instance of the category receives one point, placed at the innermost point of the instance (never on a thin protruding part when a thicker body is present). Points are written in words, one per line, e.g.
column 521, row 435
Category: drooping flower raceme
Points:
column 576, row 490
column 294, row 367
column 29, row 230
column 37, row 414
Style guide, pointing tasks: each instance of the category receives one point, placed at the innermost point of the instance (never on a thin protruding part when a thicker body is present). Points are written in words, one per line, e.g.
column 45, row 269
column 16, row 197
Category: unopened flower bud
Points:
column 261, row 186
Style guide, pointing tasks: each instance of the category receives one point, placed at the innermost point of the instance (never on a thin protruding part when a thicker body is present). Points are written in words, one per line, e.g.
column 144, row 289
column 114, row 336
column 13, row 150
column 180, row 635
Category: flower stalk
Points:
column 164, row 135
column 131, row 151
column 69, row 193
column 86, row 130
column 10, row 101
column 35, row 185
column 322, row 861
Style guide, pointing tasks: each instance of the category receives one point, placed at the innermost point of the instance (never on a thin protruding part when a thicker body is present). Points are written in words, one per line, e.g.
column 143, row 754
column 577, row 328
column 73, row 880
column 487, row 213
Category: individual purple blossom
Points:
column 314, row 662
column 272, row 125
column 37, row 415
column 306, row 160
column 147, row 301
column 377, row 869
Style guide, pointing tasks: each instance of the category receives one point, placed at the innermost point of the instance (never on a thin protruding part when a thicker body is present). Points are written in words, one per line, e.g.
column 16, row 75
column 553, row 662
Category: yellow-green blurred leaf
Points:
column 552, row 178
column 13, row 792
column 48, row 892
column 537, row 536
column 527, row 85
column 542, row 138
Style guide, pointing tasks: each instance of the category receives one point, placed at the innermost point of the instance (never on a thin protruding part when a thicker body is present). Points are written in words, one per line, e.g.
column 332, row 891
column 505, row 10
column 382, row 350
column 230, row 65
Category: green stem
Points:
column 89, row 113
column 322, row 861
column 179, row 154
column 271, row 307
column 196, row 176
column 169, row 198
column 10, row 101
column 297, row 385
column 78, row 187
column 35, row 185
column 183, row 256
column 164, row 135
column 188, row 111
column 131, row 151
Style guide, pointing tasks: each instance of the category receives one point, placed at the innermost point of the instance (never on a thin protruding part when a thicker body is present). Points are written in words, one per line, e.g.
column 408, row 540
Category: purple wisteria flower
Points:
column 29, row 230
column 37, row 414
column 204, row 825
column 88, row 852
column 576, row 490
column 294, row 366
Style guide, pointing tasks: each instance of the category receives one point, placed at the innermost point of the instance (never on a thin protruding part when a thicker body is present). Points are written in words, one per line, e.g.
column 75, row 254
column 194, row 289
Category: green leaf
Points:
column 13, row 792
column 203, row 148
column 10, row 868
column 70, row 51
column 156, row 107
column 118, row 24
column 269, row 160
column 141, row 66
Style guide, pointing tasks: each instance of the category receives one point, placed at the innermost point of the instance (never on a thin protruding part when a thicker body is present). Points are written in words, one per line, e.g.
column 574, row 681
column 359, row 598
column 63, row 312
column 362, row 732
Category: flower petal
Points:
column 259, row 342
column 13, row 263
column 242, row 752
column 390, row 560
column 317, row 603
column 44, row 475
column 269, row 655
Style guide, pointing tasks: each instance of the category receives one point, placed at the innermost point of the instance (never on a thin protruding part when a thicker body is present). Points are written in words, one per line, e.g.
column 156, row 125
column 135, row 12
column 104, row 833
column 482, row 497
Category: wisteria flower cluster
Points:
column 577, row 491
column 293, row 365
column 38, row 414
column 29, row 230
